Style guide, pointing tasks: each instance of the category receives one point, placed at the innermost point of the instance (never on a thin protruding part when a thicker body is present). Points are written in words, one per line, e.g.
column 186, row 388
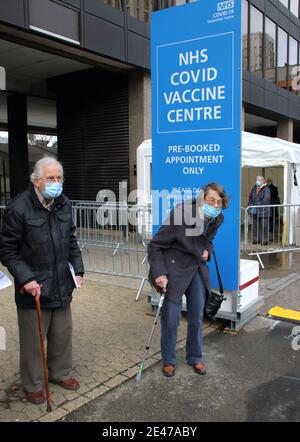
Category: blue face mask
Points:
column 210, row 211
column 52, row 190
column 258, row 183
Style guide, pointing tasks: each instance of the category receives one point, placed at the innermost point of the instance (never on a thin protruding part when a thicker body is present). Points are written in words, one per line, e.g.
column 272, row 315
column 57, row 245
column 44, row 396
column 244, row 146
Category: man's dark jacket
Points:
column 274, row 194
column 173, row 253
column 37, row 244
column 260, row 198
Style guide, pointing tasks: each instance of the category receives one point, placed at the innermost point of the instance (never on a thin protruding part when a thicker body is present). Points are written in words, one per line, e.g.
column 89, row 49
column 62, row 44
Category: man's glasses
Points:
column 53, row 179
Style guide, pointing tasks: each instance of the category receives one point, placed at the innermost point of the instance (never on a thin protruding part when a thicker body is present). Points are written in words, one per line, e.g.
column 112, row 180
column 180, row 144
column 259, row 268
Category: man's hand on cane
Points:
column 33, row 288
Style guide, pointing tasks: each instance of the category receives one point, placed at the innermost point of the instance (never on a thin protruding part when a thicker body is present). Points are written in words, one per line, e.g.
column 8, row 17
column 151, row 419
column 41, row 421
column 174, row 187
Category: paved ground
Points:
column 110, row 329
column 252, row 376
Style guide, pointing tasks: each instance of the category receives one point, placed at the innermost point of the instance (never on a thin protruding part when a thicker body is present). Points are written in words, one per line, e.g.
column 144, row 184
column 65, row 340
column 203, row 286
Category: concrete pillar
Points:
column 17, row 143
column 285, row 129
column 139, row 90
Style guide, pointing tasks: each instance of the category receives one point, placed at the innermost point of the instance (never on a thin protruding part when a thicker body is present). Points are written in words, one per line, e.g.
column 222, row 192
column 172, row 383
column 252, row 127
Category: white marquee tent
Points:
column 262, row 151
column 257, row 151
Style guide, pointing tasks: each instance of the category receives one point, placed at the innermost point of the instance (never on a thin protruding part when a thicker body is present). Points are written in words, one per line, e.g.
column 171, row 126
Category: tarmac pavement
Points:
column 252, row 376
column 109, row 334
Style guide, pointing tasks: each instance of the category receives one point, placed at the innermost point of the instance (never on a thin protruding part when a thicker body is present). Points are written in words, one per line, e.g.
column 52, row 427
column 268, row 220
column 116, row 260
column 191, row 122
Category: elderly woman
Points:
column 177, row 258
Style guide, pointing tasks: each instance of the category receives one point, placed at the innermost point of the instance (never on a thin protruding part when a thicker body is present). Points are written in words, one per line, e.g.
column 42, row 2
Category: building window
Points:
column 118, row 4
column 55, row 20
column 245, row 35
column 166, row 3
column 256, row 41
column 141, row 9
column 270, row 50
column 293, row 61
column 282, row 58
column 285, row 3
column 294, row 7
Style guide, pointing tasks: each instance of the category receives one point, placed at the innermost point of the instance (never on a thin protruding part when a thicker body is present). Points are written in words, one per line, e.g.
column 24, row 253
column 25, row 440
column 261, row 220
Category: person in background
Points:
column 260, row 195
column 37, row 241
column 274, row 200
column 274, row 192
column 178, row 266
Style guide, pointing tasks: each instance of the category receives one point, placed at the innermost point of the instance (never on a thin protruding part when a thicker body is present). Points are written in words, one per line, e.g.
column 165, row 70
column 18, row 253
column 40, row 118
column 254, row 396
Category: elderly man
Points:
column 37, row 242
column 260, row 196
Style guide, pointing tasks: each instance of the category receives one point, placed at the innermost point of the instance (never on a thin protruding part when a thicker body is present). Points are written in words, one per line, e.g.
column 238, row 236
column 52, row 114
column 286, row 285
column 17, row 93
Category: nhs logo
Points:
column 225, row 5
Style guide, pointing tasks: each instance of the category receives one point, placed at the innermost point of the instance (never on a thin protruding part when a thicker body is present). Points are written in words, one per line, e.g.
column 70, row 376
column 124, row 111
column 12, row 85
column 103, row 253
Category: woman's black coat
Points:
column 174, row 253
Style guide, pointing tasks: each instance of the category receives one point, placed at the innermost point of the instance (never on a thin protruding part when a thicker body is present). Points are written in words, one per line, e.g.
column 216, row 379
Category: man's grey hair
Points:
column 260, row 177
column 39, row 166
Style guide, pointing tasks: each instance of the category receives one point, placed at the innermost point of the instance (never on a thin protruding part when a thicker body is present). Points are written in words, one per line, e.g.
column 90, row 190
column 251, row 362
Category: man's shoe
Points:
column 168, row 371
column 35, row 397
column 68, row 384
column 199, row 368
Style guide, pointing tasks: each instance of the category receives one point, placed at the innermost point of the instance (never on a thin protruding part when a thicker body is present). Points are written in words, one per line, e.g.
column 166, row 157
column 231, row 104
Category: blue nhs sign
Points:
column 195, row 91
column 225, row 5
column 196, row 114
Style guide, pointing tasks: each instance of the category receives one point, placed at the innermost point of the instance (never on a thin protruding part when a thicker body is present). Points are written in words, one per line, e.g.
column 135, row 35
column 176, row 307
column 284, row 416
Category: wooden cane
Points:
column 42, row 341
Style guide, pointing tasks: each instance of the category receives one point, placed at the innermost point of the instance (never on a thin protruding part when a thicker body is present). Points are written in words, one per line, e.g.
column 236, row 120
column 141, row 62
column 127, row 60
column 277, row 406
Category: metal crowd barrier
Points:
column 113, row 238
column 100, row 223
column 271, row 229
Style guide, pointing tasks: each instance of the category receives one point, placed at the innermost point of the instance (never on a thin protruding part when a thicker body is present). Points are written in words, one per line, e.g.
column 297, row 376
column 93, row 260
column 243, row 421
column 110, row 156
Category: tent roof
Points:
column 262, row 151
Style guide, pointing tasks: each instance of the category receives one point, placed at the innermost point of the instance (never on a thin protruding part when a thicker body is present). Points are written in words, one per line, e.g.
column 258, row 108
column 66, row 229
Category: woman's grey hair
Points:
column 41, row 164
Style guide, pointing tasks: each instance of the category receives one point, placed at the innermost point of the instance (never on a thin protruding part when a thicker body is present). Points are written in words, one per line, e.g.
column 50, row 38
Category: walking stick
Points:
column 42, row 341
column 138, row 376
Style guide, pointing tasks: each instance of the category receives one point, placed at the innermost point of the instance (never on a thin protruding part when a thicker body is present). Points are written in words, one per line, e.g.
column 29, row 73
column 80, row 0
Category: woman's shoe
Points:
column 199, row 368
column 168, row 370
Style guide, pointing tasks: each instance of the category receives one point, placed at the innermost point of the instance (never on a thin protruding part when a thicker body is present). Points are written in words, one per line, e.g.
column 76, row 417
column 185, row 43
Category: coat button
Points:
column 173, row 261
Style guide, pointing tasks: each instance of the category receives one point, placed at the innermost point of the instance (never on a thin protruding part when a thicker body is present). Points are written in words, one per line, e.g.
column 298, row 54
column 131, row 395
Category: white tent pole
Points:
column 286, row 199
column 286, row 183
